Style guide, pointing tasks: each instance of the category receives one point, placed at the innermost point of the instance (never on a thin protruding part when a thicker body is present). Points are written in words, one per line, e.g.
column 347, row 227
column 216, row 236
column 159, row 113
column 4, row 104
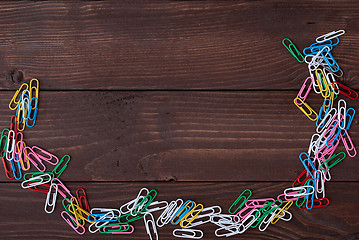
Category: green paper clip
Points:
column 239, row 199
column 293, row 50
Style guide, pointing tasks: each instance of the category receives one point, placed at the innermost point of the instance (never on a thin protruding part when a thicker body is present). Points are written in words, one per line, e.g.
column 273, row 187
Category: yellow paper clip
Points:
column 325, row 91
column 77, row 212
column 200, row 206
column 285, row 208
column 17, row 95
column 34, row 87
column 308, row 114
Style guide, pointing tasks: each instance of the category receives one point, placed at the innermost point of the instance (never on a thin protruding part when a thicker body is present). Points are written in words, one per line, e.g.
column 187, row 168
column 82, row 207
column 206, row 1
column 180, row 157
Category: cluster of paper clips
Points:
column 307, row 190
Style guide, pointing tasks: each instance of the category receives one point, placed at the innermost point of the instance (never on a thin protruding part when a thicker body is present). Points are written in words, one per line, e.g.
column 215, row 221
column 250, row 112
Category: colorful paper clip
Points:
column 293, row 49
column 346, row 91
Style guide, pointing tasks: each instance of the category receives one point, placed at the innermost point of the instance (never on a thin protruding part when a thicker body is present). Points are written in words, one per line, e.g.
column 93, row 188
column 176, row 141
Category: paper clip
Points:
column 148, row 222
column 352, row 152
column 23, row 157
column 53, row 201
column 157, row 206
column 327, row 119
column 350, row 93
column 188, row 233
column 108, row 212
column 241, row 198
column 33, row 111
column 304, row 87
column 146, row 201
column 322, row 83
column 293, row 50
column 33, row 87
column 342, row 110
column 311, row 164
column 37, row 180
column 71, row 223
column 298, row 191
column 16, row 95
column 38, row 189
column 329, row 59
column 144, row 192
column 284, row 208
column 318, row 203
column 45, row 156
column 309, row 202
column 35, row 160
column 182, row 212
column 312, row 115
column 28, row 176
column 330, row 35
column 198, row 208
column 320, row 182
column 8, row 170
column 63, row 159
column 16, row 169
column 3, row 142
column 64, row 190
column 100, row 224
column 168, row 213
column 82, row 199
column 115, row 228
column 10, row 146
column 266, row 210
column 316, row 47
column 350, row 118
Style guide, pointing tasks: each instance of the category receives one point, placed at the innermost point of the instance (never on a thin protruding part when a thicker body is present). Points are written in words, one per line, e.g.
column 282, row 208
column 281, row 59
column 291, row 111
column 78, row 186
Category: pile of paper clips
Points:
column 307, row 191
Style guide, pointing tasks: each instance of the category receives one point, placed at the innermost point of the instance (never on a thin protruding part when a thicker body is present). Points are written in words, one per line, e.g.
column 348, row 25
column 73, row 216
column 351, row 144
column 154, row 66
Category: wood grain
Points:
column 170, row 45
column 184, row 136
column 29, row 221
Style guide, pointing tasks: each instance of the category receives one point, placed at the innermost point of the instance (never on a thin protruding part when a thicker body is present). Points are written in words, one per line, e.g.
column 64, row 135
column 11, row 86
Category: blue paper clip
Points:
column 316, row 47
column 350, row 120
column 307, row 159
column 32, row 110
column 14, row 170
column 323, row 109
column 332, row 63
column 183, row 210
column 310, row 195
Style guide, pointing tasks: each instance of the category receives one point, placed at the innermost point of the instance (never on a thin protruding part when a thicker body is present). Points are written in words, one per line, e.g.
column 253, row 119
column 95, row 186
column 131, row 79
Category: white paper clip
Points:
column 54, row 197
column 149, row 220
column 34, row 181
column 329, row 36
column 157, row 206
column 342, row 110
column 188, row 233
column 167, row 214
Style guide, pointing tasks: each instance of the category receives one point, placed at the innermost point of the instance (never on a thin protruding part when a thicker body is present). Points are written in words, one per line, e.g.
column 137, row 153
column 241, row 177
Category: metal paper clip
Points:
column 304, row 157
column 34, row 85
column 37, row 180
column 288, row 44
column 32, row 112
column 168, row 213
column 330, row 35
column 188, row 233
column 352, row 152
column 16, row 169
column 34, row 159
column 241, row 198
column 82, row 199
column 14, row 100
column 145, row 202
column 115, row 228
column 71, row 223
column 350, row 93
column 45, row 156
column 54, row 197
column 182, row 212
column 63, row 159
column 64, row 190
column 149, row 220
column 311, row 114
column 199, row 208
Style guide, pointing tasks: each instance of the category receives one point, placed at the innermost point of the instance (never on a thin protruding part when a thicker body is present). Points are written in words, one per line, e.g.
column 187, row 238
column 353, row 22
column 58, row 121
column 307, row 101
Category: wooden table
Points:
column 193, row 99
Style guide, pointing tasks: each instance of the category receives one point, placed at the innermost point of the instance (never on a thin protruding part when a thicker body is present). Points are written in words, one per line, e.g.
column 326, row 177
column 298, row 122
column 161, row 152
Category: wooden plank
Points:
column 184, row 136
column 170, row 45
column 337, row 221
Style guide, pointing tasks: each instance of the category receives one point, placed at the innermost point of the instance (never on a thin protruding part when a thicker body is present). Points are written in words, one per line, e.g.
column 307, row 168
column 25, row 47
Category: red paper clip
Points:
column 7, row 171
column 83, row 197
column 38, row 189
column 349, row 93
column 303, row 176
column 317, row 203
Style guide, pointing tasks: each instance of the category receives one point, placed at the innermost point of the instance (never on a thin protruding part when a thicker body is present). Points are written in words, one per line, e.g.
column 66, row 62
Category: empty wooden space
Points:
column 193, row 99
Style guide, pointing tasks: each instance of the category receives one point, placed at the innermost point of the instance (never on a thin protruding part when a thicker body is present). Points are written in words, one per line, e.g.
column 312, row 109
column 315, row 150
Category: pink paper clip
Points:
column 350, row 93
column 305, row 85
column 352, row 152
column 130, row 229
column 35, row 160
column 62, row 186
column 45, row 156
column 69, row 222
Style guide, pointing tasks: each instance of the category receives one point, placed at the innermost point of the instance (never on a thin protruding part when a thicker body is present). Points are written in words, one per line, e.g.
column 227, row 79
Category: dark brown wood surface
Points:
column 144, row 93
